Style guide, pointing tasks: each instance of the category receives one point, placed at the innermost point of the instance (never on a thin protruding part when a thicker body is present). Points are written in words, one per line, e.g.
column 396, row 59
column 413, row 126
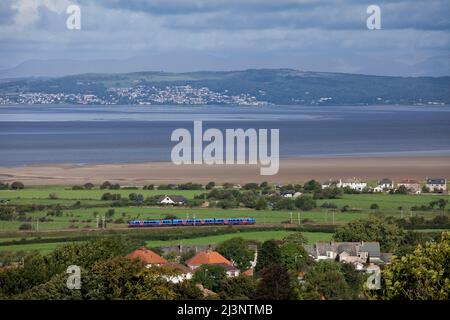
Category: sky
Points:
column 187, row 35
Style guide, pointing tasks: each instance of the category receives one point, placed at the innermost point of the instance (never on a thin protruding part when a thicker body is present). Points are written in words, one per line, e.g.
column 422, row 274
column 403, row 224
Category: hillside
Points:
column 248, row 87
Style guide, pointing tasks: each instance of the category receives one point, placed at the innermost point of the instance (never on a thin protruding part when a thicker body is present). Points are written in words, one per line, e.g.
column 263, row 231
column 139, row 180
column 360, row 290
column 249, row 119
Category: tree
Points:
column 237, row 249
column 305, row 203
column 261, row 204
column 88, row 186
column 421, row 275
column 325, row 281
column 388, row 233
column 442, row 203
column 248, row 199
column 210, row 276
column 7, row 213
column 105, row 185
column 16, row 185
column 401, row 190
column 210, row 185
column 268, row 255
column 312, row 186
column 294, row 256
column 238, row 288
column 275, row 284
column 284, row 204
column 53, row 196
column 110, row 213
column 296, row 237
column 250, row 186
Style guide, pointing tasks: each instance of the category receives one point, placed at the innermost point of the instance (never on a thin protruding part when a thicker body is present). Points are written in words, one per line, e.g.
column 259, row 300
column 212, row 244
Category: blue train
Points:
column 190, row 222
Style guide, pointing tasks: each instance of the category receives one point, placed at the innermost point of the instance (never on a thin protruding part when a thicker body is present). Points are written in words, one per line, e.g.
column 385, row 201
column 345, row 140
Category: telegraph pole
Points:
column 291, row 217
column 103, row 222
column 98, row 220
column 298, row 216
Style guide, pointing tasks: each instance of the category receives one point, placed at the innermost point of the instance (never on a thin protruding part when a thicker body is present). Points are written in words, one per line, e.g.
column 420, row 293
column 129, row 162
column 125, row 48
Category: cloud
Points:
column 308, row 33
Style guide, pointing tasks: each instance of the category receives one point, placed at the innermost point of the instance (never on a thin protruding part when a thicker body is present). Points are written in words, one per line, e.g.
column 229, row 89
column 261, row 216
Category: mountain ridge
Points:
column 248, row 87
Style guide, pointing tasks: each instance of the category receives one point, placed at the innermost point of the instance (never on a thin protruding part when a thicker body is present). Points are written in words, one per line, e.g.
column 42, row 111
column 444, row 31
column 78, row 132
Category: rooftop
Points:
column 147, row 256
column 207, row 257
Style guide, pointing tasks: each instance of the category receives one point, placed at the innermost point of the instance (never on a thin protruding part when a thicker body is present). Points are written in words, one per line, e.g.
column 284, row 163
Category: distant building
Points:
column 349, row 252
column 437, row 184
column 290, row 194
column 384, row 184
column 332, row 183
column 412, row 185
column 174, row 199
column 355, row 184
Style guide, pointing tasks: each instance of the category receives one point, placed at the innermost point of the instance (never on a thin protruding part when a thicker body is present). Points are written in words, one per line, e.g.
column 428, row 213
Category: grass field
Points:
column 312, row 237
column 77, row 220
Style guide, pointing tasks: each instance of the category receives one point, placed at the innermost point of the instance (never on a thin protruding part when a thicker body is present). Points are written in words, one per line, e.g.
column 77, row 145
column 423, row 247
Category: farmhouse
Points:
column 354, row 183
column 437, row 184
column 332, row 183
column 412, row 185
column 174, row 199
column 386, row 184
column 290, row 194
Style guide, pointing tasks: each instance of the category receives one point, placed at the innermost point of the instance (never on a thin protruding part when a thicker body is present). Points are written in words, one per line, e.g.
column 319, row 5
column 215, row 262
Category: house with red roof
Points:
column 147, row 256
column 207, row 257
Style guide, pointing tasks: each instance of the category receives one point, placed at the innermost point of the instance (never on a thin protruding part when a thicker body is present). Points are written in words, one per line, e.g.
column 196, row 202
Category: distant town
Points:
column 141, row 95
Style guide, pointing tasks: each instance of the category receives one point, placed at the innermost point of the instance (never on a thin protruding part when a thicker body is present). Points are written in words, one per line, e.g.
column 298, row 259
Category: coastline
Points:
column 292, row 170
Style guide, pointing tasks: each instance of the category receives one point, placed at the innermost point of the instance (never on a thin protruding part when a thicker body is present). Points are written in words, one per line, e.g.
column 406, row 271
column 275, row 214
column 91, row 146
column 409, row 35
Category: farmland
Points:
column 81, row 210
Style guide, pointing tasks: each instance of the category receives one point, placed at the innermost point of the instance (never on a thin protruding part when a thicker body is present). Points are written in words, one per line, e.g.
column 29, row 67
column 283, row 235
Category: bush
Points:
column 25, row 226
column 111, row 196
column 305, row 203
column 88, row 186
column 210, row 185
column 105, row 185
column 53, row 196
column 327, row 205
column 77, row 188
column 16, row 185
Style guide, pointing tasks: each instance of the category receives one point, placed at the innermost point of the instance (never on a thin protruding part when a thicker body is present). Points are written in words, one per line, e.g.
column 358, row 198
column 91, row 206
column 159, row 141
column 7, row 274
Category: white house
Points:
column 172, row 199
column 437, row 184
column 354, row 184
column 384, row 185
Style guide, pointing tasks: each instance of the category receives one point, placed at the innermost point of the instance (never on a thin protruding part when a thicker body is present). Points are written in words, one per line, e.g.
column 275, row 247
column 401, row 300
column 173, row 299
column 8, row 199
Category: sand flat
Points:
column 291, row 170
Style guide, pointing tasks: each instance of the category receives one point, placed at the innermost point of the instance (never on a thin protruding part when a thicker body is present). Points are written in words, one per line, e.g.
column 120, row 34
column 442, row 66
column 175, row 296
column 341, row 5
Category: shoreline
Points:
column 292, row 170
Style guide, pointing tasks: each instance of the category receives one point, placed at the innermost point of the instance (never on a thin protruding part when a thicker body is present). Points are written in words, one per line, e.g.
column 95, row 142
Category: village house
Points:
column 174, row 199
column 437, row 184
column 332, row 183
column 357, row 253
column 354, row 183
column 148, row 257
column 212, row 258
column 384, row 184
column 290, row 194
column 152, row 259
column 412, row 185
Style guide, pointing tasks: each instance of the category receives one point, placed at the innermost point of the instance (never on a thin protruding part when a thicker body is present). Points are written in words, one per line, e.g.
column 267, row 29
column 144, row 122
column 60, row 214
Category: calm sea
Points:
column 104, row 134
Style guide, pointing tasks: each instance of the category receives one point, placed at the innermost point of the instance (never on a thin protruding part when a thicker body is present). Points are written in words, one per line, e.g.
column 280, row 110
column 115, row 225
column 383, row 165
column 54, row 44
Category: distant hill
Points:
column 247, row 87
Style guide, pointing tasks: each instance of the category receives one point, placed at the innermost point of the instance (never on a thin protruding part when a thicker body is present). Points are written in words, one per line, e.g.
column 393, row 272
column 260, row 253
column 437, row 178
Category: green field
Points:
column 83, row 220
column 312, row 237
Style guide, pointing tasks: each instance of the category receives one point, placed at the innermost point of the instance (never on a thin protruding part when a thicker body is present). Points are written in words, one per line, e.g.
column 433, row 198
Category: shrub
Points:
column 16, row 185
column 88, row 186
column 53, row 196
column 25, row 226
